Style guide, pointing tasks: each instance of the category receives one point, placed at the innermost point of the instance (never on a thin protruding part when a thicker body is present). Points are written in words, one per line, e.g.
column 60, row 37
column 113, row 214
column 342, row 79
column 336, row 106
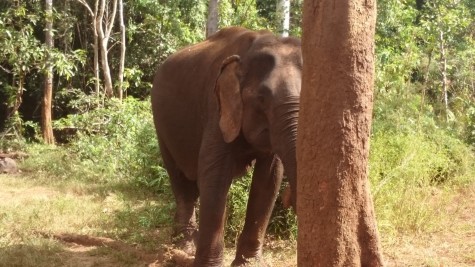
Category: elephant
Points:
column 219, row 107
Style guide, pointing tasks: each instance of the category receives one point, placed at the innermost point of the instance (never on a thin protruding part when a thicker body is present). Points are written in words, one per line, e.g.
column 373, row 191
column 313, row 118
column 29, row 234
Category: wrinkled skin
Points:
column 219, row 106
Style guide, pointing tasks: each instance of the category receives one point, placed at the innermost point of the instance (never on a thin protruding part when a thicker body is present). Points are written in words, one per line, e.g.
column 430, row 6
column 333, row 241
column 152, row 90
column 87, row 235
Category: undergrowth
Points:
column 414, row 163
column 113, row 144
column 413, row 160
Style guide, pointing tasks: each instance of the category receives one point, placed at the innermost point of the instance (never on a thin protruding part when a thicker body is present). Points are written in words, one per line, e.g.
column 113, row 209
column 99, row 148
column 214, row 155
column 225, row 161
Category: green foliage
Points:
column 283, row 223
column 412, row 159
column 236, row 207
column 156, row 30
column 114, row 144
column 23, row 57
column 243, row 13
column 417, row 43
column 19, row 47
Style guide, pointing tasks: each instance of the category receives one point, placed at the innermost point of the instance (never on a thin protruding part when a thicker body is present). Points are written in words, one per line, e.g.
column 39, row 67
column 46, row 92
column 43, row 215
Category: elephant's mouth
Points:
column 264, row 133
column 261, row 140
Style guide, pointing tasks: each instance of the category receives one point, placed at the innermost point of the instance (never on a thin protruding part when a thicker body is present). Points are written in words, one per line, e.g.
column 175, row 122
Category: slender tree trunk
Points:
column 213, row 17
column 96, row 49
column 283, row 16
column 122, row 49
column 335, row 211
column 443, row 70
column 104, row 27
column 12, row 112
column 46, row 123
column 424, row 85
column 18, row 96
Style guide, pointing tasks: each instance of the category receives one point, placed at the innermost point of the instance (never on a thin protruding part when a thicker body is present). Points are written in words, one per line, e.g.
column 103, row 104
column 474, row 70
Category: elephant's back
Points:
column 183, row 94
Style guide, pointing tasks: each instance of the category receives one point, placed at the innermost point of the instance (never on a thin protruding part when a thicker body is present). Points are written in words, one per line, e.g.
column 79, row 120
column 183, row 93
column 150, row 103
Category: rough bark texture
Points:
column 46, row 123
column 335, row 212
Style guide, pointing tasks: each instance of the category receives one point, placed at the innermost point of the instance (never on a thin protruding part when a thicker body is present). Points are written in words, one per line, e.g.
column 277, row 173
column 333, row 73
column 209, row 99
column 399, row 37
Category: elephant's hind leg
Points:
column 186, row 195
column 266, row 180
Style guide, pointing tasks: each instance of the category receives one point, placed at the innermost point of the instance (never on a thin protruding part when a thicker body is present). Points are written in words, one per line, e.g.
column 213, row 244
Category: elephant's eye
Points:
column 263, row 94
column 261, row 99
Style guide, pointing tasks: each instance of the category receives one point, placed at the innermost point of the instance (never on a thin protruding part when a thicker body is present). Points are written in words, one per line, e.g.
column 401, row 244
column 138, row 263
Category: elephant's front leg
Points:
column 266, row 180
column 214, row 183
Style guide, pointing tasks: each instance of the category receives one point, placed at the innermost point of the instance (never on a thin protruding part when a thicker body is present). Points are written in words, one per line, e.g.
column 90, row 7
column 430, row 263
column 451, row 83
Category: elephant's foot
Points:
column 186, row 241
column 241, row 261
column 181, row 258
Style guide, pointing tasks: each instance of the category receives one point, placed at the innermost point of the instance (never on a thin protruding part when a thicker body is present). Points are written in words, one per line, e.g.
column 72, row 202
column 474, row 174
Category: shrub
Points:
column 283, row 222
column 411, row 160
column 114, row 143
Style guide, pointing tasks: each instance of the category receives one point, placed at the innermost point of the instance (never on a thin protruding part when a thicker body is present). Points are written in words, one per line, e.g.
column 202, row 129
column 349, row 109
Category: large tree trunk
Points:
column 336, row 218
column 46, row 124
column 213, row 17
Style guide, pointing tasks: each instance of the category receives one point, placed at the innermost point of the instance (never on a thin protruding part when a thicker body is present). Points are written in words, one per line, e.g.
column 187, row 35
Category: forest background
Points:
column 424, row 115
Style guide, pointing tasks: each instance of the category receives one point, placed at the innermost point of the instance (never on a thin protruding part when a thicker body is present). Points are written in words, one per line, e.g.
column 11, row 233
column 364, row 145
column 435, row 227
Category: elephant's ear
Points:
column 227, row 91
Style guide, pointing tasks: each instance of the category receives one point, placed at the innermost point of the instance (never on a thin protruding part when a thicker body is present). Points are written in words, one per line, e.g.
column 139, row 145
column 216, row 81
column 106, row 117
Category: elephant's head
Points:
column 259, row 95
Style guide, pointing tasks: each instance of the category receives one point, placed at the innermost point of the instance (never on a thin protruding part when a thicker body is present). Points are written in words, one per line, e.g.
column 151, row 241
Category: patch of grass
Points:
column 32, row 209
column 32, row 252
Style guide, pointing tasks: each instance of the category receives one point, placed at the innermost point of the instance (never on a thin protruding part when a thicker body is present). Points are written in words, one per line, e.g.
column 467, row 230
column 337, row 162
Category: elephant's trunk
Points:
column 285, row 129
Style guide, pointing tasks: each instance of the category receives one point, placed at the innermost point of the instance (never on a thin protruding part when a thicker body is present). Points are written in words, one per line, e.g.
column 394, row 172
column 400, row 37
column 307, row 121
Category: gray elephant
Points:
column 219, row 106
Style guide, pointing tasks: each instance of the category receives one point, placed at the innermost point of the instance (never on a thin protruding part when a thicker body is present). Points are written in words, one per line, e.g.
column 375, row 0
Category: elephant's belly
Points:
column 185, row 154
column 182, row 141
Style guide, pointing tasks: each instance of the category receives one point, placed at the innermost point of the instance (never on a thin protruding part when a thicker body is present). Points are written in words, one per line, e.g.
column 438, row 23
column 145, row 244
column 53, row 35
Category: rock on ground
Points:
column 8, row 165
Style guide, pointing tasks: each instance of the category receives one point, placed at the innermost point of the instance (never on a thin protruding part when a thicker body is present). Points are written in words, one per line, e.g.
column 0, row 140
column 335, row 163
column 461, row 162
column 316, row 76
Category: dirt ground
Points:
column 452, row 246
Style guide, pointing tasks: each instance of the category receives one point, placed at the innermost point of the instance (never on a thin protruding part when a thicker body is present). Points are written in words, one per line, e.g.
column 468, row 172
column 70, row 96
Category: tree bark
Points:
column 335, row 212
column 213, row 17
column 122, row 50
column 443, row 71
column 104, row 26
column 46, row 122
column 97, row 82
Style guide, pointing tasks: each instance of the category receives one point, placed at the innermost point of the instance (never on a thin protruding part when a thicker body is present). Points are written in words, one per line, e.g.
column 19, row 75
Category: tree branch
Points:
column 86, row 5
column 5, row 70
column 110, row 23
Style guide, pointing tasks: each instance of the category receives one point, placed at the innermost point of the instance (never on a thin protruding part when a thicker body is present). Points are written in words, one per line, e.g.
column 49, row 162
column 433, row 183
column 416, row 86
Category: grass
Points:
column 34, row 207
column 34, row 204
column 413, row 178
column 452, row 244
